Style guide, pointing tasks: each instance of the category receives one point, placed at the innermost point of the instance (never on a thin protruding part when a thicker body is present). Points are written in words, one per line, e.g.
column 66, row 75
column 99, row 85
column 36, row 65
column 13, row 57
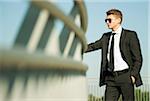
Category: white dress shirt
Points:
column 119, row 63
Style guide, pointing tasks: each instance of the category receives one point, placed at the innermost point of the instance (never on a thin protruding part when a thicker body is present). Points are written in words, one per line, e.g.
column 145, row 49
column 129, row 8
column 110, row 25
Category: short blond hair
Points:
column 116, row 12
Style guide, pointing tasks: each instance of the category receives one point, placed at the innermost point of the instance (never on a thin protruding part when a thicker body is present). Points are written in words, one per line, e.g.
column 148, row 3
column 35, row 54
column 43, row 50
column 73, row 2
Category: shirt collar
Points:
column 118, row 31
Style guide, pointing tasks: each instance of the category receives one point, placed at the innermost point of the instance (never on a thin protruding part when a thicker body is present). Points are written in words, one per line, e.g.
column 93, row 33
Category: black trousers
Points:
column 119, row 84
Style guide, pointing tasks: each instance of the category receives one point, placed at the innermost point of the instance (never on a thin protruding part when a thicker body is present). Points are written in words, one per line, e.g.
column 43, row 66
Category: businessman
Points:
column 121, row 59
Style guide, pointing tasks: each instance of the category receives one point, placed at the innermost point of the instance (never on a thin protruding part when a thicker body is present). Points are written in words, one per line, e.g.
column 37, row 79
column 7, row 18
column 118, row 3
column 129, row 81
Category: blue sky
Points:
column 11, row 16
column 136, row 17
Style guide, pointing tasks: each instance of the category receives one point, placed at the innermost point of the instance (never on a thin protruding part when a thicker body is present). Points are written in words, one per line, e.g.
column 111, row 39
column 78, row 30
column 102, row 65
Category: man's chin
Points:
column 109, row 27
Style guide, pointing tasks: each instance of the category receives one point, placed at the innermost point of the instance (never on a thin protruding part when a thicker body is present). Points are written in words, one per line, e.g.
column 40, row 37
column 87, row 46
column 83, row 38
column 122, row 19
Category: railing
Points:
column 67, row 20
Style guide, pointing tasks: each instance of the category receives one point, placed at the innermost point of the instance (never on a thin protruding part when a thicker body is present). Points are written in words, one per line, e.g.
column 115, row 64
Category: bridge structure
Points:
column 45, row 62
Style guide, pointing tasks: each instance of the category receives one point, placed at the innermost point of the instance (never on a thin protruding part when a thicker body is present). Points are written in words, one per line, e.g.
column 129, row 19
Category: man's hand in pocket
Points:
column 133, row 79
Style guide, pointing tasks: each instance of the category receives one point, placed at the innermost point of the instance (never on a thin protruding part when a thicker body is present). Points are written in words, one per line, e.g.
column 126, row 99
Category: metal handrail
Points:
column 83, row 12
column 66, row 19
column 21, row 59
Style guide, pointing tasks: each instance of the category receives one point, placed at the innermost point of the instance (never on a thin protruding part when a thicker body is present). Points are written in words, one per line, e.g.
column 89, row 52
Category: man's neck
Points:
column 115, row 28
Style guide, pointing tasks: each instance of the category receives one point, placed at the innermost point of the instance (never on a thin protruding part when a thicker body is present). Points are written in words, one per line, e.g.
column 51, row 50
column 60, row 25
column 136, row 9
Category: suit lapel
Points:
column 122, row 46
column 122, row 38
column 107, row 42
column 108, row 37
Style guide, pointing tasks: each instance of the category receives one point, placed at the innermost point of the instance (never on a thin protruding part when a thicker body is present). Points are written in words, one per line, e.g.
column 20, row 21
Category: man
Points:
column 121, row 59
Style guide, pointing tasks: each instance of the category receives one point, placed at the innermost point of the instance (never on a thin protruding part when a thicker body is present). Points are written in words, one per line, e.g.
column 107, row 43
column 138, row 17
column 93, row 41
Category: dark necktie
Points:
column 111, row 56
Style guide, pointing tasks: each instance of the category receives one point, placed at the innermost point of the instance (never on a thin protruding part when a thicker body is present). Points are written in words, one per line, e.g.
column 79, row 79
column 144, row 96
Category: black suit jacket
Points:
column 130, row 51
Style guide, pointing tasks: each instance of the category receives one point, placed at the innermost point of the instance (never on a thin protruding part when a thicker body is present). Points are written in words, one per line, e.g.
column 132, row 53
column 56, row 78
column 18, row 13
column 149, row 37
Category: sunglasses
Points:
column 108, row 20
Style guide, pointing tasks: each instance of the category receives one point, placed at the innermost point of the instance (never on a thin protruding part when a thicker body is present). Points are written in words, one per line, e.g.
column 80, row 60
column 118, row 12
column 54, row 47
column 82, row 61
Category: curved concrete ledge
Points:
column 66, row 19
column 23, row 60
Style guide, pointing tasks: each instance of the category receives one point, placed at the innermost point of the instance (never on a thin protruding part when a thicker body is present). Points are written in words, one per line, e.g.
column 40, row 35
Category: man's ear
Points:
column 119, row 20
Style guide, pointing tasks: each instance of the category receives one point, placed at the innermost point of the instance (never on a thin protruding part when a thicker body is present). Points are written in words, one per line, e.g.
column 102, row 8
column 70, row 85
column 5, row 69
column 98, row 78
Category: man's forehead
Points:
column 111, row 16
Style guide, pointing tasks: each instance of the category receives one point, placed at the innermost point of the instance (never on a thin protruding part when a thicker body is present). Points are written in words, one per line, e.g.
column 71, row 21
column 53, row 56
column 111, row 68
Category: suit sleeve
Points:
column 136, row 54
column 95, row 45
